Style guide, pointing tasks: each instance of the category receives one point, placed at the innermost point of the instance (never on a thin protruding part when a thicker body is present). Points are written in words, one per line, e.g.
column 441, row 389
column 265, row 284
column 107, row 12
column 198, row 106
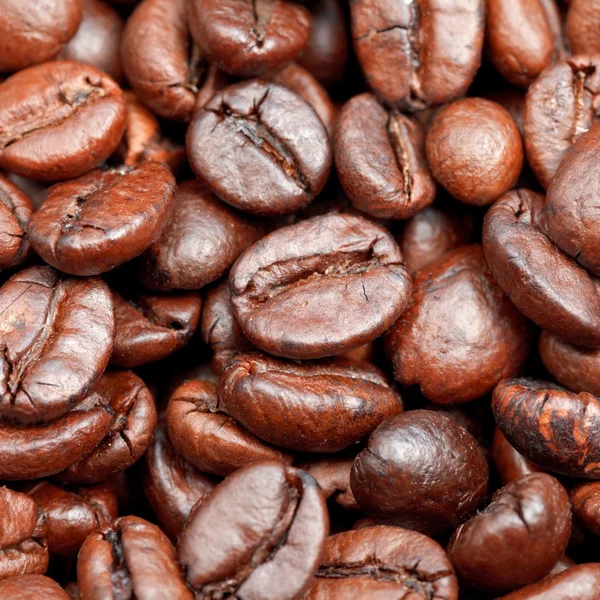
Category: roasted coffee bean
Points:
column 208, row 437
column 58, row 120
column 150, row 327
column 509, row 464
column 555, row 429
column 56, row 336
column 585, row 500
column 130, row 559
column 106, row 217
column 201, row 240
column 342, row 277
column 383, row 562
column 268, row 548
column 15, row 211
column 545, row 284
column 560, row 105
column 33, row 32
column 260, row 147
column 530, row 517
column 23, row 532
column 475, row 151
column 171, row 484
column 333, row 476
column 31, row 587
column 249, row 37
column 419, row 53
column 162, row 64
column 380, row 160
column 460, row 334
column 407, row 477
column 583, row 21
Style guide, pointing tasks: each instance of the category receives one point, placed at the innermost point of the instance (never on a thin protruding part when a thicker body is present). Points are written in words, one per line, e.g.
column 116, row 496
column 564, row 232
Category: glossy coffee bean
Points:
column 130, row 559
column 207, row 437
column 555, row 429
column 106, row 217
column 56, row 335
column 560, row 105
column 509, row 464
column 325, row 271
column 201, row 240
column 269, row 548
column 249, row 37
column 583, row 20
column 150, row 327
column 418, row 54
column 33, row 32
column 460, row 334
column 530, row 517
column 333, row 476
column 15, row 211
column 383, row 562
column 308, row 407
column 265, row 136
column 23, row 532
column 31, row 587
column 380, row 160
column 585, row 500
column 474, row 150
column 407, row 477
column 58, row 120
column 544, row 283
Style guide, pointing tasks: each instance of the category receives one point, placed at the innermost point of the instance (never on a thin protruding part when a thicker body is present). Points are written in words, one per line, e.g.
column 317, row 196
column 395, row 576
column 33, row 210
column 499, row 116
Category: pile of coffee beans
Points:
column 299, row 299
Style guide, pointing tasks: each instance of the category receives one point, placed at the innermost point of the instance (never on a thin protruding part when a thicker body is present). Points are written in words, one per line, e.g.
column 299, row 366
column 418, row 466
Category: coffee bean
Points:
column 28, row 587
column 15, row 211
column 508, row 462
column 582, row 25
column 585, row 500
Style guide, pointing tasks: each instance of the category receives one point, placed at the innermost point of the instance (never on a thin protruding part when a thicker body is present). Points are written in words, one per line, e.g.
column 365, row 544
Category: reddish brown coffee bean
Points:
column 582, row 26
column 383, row 562
column 460, row 334
column 308, row 407
column 544, row 283
column 130, row 559
column 474, row 150
column 32, row 32
column 32, row 587
column 56, row 336
column 249, row 37
column 556, row 429
column 58, row 120
column 406, row 476
column 324, row 271
column 333, row 476
column 208, row 437
column 201, row 240
column 23, row 533
column 106, row 217
column 380, row 160
column 585, row 500
column 508, row 462
column 15, row 211
column 150, row 327
column 269, row 548
column 529, row 517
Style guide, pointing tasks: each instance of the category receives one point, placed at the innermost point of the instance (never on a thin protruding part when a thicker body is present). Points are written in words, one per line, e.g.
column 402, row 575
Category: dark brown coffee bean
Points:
column 249, row 37
column 342, row 277
column 544, row 283
column 407, row 477
column 420, row 53
column 380, row 160
column 33, row 32
column 585, row 500
column 383, row 562
column 460, row 334
column 130, row 559
column 56, row 336
column 58, row 120
column 201, row 240
column 208, row 437
column 508, row 462
column 150, row 327
column 15, row 211
column 555, row 429
column 583, row 21
column 560, row 105
column 475, row 150
column 106, row 217
column 268, row 548
column 23, row 533
column 260, row 147
column 529, row 517
column 31, row 587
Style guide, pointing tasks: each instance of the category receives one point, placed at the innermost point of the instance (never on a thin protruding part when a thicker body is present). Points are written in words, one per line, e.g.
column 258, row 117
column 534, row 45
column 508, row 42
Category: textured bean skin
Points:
column 32, row 587
column 582, row 26
column 555, row 429
column 508, row 462
column 383, row 562
column 405, row 476
column 15, row 211
column 338, row 256
column 585, row 500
